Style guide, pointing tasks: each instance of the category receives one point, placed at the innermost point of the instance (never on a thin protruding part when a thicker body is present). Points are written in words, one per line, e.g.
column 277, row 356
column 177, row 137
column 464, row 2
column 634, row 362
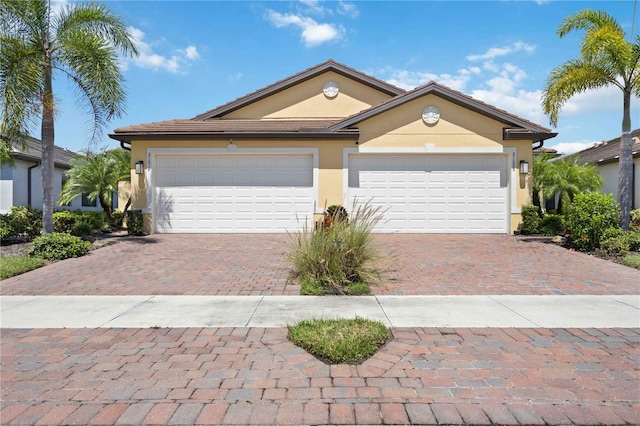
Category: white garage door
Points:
column 232, row 193
column 433, row 193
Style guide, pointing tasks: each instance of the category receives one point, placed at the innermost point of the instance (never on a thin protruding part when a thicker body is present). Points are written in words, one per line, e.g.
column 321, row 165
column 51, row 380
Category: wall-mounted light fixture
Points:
column 231, row 146
column 139, row 167
column 524, row 167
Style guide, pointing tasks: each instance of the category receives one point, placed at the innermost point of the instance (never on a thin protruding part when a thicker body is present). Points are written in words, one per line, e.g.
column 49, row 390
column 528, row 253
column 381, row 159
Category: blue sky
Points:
column 196, row 55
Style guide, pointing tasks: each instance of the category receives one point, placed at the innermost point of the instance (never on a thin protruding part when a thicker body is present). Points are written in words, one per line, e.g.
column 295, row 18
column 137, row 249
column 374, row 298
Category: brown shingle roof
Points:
column 233, row 129
column 278, row 86
column 531, row 129
column 32, row 151
column 608, row 151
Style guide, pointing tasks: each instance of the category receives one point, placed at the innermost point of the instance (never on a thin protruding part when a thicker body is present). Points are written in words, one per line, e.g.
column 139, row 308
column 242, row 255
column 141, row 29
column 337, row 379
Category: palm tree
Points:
column 80, row 42
column 97, row 176
column 567, row 177
column 606, row 58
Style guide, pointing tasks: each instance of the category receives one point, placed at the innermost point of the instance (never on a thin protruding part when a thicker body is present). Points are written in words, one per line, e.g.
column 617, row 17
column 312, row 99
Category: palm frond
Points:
column 571, row 78
column 588, row 20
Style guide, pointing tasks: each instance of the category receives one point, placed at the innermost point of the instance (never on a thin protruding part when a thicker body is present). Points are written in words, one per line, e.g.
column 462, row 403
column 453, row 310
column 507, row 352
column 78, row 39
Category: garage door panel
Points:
column 233, row 193
column 423, row 193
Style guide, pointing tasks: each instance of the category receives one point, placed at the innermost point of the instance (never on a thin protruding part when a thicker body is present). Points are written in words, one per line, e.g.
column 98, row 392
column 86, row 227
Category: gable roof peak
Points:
column 328, row 65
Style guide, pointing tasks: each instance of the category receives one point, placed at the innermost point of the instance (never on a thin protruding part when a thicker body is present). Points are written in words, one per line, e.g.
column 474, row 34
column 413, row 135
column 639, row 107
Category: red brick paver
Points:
column 504, row 376
column 252, row 264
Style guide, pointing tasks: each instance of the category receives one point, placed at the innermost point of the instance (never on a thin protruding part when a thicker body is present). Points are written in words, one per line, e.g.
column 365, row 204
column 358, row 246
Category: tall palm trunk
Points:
column 47, row 135
column 625, row 163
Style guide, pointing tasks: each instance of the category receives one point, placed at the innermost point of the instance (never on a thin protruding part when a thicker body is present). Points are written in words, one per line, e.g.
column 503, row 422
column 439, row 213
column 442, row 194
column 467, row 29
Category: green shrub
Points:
column 12, row 266
column 333, row 258
column 83, row 228
column 25, row 222
column 64, row 221
column 96, row 219
column 334, row 214
column 615, row 246
column 58, row 246
column 552, row 224
column 530, row 220
column 635, row 218
column 135, row 222
column 633, row 237
column 117, row 218
column 337, row 341
column 591, row 213
column 6, row 231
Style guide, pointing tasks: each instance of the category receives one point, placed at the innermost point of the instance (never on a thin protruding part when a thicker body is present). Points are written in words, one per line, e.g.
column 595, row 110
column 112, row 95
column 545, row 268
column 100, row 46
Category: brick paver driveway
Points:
column 419, row 264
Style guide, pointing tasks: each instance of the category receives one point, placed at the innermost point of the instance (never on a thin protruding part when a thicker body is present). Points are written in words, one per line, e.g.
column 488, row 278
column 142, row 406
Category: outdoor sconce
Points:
column 139, row 167
column 524, row 167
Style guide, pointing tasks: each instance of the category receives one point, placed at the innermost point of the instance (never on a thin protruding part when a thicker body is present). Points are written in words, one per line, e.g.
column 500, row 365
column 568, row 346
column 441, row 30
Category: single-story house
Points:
column 434, row 159
column 21, row 183
column 605, row 155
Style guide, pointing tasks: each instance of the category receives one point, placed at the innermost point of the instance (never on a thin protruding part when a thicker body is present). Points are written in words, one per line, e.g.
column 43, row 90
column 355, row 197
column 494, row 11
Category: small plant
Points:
column 632, row 261
column 530, row 220
column 334, row 214
column 135, row 222
column 12, row 266
column 591, row 213
column 552, row 224
column 337, row 341
column 58, row 246
column 83, row 228
column 336, row 257
column 635, row 218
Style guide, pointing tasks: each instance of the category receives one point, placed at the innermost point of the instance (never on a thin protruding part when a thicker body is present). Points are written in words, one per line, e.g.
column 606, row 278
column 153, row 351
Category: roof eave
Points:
column 516, row 134
column 311, row 134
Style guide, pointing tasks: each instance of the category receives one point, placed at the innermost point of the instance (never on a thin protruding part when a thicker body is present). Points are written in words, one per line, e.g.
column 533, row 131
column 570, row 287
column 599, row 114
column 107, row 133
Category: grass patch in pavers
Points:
column 340, row 341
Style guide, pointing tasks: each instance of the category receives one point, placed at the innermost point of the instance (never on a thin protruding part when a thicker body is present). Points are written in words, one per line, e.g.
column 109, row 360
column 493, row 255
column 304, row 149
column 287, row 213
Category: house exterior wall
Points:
column 15, row 182
column 609, row 174
column 306, row 100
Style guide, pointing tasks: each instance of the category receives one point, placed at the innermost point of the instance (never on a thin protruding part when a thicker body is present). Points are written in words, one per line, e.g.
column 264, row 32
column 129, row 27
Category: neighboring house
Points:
column 21, row 184
column 605, row 156
column 434, row 159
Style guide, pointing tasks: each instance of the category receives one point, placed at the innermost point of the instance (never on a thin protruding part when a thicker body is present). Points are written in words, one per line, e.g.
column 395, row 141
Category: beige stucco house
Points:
column 434, row 159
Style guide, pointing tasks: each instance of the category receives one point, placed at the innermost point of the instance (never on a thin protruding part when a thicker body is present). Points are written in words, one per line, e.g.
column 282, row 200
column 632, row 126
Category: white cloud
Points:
column 149, row 59
column 496, row 52
column 313, row 33
column 567, row 148
column 406, row 79
column 348, row 9
column 235, row 77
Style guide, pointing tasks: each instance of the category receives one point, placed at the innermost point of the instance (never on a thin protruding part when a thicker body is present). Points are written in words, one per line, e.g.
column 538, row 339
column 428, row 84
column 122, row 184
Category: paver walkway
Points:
column 420, row 264
column 256, row 376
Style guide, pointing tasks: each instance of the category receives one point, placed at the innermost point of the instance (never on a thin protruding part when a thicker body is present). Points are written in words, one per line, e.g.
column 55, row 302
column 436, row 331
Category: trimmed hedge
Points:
column 58, row 246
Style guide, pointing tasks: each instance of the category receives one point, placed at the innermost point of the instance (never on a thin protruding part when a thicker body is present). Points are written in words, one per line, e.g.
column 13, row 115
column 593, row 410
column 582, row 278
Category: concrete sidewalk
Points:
column 503, row 311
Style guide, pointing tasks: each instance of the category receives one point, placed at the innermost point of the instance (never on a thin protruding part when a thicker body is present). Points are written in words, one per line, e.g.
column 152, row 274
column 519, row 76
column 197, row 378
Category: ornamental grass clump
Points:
column 340, row 341
column 340, row 258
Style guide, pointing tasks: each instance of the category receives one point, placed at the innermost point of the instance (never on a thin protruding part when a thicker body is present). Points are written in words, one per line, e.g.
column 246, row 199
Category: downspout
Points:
column 541, row 142
column 128, row 148
column 37, row 163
